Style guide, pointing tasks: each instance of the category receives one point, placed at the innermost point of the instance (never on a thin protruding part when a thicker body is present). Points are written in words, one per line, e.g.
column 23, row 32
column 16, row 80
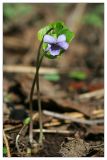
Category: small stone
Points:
column 74, row 147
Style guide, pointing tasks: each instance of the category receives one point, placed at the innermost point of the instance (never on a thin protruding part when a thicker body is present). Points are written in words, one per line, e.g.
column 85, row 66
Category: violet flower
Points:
column 56, row 44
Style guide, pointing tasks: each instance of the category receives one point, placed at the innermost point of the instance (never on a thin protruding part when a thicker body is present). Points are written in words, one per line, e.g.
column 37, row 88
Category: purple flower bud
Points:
column 56, row 44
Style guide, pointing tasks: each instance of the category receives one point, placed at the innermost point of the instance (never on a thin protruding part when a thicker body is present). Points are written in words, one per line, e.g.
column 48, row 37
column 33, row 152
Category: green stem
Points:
column 36, row 79
column 39, row 106
column 31, row 96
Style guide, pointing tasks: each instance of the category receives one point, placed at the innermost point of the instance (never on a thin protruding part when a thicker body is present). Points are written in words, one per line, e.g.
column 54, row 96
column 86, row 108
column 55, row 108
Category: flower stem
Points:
column 36, row 80
column 31, row 96
column 39, row 107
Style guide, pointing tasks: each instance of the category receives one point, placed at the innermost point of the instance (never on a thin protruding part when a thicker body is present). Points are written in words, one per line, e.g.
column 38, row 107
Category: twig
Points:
column 59, row 116
column 7, row 144
column 53, row 131
column 98, row 113
column 27, row 69
column 35, row 117
column 12, row 128
column 97, row 94
column 18, row 136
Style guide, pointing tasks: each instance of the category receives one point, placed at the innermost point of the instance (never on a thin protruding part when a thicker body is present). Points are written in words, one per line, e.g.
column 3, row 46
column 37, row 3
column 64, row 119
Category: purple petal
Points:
column 63, row 45
column 49, row 39
column 61, row 38
column 54, row 52
column 49, row 46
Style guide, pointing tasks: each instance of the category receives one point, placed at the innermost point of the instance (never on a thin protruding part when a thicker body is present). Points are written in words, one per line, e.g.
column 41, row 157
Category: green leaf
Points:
column 79, row 75
column 43, row 31
column 52, row 77
column 45, row 45
column 26, row 121
column 69, row 35
column 4, row 151
column 57, row 26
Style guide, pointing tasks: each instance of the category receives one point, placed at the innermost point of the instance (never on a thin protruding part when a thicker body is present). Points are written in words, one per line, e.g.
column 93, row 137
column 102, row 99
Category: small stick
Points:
column 27, row 69
column 53, row 131
column 35, row 117
column 18, row 136
column 12, row 128
column 97, row 94
column 60, row 116
column 7, row 144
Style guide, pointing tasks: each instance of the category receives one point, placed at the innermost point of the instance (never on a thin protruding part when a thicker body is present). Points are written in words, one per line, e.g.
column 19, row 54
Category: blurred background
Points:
column 85, row 54
column 22, row 22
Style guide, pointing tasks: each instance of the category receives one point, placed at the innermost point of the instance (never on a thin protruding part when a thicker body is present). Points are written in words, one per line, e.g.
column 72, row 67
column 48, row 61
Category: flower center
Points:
column 55, row 47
